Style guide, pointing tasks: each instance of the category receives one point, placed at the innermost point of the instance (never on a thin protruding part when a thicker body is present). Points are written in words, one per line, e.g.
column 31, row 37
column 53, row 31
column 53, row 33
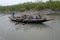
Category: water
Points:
column 47, row 31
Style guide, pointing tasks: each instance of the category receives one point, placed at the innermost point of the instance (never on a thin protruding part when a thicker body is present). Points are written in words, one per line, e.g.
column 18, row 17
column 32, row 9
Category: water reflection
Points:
column 31, row 26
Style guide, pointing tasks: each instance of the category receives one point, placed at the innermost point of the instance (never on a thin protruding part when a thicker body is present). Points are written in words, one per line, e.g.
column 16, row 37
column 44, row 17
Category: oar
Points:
column 22, row 23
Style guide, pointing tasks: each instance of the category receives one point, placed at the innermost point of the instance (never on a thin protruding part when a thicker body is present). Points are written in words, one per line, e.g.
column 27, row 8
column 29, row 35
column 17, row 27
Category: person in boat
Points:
column 37, row 17
column 13, row 14
column 40, row 17
column 23, row 17
column 30, row 17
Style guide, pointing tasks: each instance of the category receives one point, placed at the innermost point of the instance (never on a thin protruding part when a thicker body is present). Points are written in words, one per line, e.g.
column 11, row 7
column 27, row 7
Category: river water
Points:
column 46, row 31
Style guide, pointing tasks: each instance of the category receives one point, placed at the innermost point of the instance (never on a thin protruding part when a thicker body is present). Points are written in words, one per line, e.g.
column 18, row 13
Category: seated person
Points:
column 24, row 16
column 30, row 17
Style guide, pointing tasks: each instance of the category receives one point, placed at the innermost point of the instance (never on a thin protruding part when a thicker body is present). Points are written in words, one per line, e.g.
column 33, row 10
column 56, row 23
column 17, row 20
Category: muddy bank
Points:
column 45, row 11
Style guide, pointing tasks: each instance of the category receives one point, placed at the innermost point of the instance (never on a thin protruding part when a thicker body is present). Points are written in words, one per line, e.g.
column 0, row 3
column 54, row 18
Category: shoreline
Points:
column 44, row 11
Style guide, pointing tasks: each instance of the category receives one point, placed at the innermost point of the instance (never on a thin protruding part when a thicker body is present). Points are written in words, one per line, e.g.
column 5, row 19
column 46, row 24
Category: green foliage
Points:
column 53, row 5
column 34, row 6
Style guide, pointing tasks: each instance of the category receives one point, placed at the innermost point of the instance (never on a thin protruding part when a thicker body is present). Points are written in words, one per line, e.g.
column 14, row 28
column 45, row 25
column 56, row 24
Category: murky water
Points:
column 47, row 31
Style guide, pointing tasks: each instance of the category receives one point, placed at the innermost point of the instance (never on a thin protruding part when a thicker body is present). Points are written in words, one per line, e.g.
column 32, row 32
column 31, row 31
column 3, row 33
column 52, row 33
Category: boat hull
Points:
column 28, row 21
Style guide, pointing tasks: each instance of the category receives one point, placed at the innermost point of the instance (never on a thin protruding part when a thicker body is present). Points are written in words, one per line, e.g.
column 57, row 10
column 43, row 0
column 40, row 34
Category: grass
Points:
column 34, row 6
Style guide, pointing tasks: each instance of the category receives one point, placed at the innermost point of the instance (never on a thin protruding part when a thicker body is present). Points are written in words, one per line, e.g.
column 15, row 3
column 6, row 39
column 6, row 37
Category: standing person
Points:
column 13, row 14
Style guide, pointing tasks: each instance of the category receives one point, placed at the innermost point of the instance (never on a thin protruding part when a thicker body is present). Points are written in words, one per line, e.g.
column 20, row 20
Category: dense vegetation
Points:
column 34, row 6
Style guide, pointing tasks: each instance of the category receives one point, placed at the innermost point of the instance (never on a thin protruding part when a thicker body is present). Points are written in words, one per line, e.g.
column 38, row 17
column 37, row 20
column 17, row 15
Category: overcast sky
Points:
column 13, row 2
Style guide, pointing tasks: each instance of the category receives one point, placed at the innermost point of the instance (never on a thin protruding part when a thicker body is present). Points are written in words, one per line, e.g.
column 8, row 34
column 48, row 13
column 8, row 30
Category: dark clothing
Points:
column 13, row 13
column 39, row 16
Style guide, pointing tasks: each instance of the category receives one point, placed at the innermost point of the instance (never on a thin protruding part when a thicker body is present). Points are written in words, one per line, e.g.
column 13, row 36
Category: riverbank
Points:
column 53, row 5
column 44, row 11
column 35, row 8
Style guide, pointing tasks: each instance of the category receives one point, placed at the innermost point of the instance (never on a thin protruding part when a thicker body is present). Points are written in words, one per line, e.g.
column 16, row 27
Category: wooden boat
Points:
column 29, row 19
column 22, row 20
